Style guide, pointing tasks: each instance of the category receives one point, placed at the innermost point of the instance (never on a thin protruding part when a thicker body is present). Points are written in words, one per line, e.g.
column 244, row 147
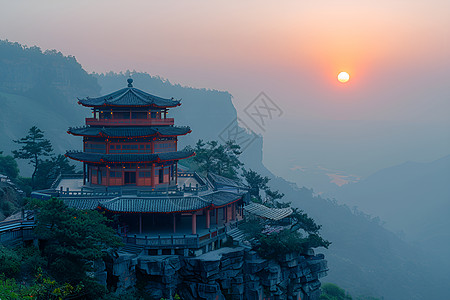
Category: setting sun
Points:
column 343, row 77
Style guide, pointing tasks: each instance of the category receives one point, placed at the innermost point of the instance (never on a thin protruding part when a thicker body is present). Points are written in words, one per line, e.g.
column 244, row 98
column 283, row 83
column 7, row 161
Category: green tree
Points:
column 34, row 146
column 256, row 182
column 272, row 198
column 43, row 288
column 9, row 262
column 331, row 291
column 222, row 159
column 50, row 168
column 74, row 238
column 8, row 166
column 303, row 221
column 275, row 245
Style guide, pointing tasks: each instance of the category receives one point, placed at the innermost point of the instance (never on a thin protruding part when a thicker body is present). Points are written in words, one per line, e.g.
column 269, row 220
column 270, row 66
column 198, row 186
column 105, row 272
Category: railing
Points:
column 164, row 242
column 202, row 186
column 186, row 174
column 193, row 189
column 113, row 122
column 15, row 230
column 88, row 194
column 176, row 241
column 116, row 192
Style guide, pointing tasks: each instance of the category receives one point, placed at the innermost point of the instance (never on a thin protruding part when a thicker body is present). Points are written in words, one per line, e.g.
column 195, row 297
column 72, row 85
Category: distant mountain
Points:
column 40, row 88
column 413, row 199
column 364, row 258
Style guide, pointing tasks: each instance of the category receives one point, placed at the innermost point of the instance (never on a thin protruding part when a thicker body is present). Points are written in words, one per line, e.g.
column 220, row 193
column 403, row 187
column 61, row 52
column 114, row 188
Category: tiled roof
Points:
column 129, row 158
column 268, row 212
column 82, row 202
column 221, row 198
column 129, row 96
column 217, row 179
column 161, row 204
column 154, row 204
column 129, row 131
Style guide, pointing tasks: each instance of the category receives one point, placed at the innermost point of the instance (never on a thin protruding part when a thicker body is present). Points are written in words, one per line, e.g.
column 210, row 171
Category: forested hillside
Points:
column 40, row 88
column 412, row 199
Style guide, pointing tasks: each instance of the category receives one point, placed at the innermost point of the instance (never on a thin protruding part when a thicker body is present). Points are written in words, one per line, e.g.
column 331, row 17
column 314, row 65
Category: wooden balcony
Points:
column 174, row 241
column 129, row 122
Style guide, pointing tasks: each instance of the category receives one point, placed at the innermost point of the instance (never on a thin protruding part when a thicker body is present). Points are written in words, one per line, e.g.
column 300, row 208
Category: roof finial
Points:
column 130, row 82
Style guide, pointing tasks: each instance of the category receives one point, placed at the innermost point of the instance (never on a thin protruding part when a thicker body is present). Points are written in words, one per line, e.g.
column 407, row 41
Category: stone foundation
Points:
column 226, row 273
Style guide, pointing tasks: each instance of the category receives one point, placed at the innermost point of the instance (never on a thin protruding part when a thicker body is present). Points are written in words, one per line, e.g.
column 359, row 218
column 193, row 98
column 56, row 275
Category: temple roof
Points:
column 218, row 180
column 154, row 204
column 265, row 212
column 127, row 158
column 83, row 203
column 160, row 204
column 129, row 96
column 221, row 198
column 143, row 131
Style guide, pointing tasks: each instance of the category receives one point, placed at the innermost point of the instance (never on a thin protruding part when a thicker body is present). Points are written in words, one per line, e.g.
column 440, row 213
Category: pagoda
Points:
column 130, row 141
column 131, row 173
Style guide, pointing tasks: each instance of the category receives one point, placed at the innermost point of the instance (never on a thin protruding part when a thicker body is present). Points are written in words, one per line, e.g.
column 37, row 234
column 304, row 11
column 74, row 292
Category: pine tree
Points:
column 34, row 146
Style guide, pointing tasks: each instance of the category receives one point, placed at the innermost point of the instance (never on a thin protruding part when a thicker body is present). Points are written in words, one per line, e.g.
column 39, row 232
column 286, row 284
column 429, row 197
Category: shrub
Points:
column 9, row 262
column 331, row 291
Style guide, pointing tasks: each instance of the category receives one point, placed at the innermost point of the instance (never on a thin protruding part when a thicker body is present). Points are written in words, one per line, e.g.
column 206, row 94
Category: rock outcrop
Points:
column 226, row 273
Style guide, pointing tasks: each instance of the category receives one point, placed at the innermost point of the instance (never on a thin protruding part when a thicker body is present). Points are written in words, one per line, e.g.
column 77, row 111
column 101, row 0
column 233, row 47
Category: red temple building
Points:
column 131, row 172
column 130, row 140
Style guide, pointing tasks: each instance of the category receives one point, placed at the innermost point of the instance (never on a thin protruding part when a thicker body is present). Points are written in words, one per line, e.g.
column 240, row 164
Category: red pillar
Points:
column 176, row 172
column 107, row 176
column 152, row 173
column 208, row 219
column 194, row 223
column 233, row 211
column 225, row 214
column 217, row 216
column 84, row 173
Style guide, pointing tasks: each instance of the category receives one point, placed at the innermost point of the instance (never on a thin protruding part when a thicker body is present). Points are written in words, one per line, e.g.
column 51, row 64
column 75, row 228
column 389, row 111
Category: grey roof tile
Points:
column 131, row 158
column 161, row 204
column 129, row 131
column 129, row 96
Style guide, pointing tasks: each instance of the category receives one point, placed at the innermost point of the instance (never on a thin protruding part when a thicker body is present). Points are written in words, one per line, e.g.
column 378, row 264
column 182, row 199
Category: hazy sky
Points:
column 394, row 108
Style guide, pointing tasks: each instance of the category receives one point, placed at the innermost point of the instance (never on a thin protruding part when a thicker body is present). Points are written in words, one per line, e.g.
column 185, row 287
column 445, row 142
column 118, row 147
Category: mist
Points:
column 378, row 144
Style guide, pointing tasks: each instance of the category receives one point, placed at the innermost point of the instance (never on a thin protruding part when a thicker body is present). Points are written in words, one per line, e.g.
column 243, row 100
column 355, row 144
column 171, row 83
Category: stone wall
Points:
column 226, row 273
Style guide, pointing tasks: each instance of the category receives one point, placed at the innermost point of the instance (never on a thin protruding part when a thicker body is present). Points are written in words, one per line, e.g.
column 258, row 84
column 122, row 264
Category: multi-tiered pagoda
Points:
column 130, row 140
column 131, row 173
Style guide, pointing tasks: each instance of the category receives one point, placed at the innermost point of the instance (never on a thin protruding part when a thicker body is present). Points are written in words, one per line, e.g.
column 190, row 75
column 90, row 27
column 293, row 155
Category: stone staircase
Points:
column 133, row 249
column 237, row 235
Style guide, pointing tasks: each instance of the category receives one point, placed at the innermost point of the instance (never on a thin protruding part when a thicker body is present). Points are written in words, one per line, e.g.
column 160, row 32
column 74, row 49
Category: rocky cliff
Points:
column 225, row 273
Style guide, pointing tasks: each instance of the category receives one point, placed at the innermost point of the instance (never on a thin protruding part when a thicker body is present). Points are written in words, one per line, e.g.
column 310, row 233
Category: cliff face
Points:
column 226, row 273
column 40, row 89
column 29, row 71
column 10, row 200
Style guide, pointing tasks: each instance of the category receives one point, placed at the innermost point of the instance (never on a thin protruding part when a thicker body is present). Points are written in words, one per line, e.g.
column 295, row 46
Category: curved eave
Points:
column 152, row 212
column 112, row 105
column 207, row 206
column 101, row 134
column 103, row 161
column 223, row 205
